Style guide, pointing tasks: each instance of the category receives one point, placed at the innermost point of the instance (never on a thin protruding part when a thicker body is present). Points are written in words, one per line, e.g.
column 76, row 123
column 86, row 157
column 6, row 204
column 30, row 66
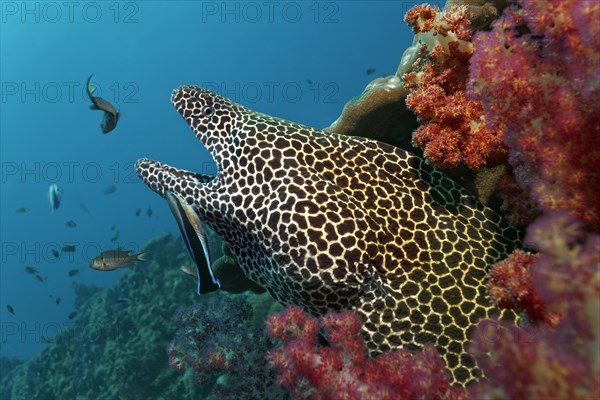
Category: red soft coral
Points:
column 537, row 74
column 343, row 369
column 453, row 127
column 510, row 286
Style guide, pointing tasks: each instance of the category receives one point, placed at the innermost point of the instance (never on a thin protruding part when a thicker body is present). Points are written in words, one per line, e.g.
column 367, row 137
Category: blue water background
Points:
column 139, row 52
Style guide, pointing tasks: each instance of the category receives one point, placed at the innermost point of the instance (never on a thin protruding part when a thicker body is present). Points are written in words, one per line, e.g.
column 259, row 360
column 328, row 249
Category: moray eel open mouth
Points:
column 158, row 176
column 331, row 222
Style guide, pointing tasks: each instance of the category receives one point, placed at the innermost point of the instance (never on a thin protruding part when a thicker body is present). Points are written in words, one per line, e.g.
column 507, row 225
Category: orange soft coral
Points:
column 453, row 128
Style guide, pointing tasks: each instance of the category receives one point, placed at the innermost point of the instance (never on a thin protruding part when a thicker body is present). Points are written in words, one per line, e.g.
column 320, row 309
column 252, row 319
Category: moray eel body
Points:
column 327, row 221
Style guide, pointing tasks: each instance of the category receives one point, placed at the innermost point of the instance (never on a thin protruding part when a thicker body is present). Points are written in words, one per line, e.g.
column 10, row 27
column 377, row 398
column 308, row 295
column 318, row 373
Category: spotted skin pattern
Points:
column 327, row 221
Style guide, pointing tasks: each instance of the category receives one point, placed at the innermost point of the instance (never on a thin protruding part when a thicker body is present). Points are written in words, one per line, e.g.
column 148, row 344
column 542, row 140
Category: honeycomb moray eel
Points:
column 327, row 221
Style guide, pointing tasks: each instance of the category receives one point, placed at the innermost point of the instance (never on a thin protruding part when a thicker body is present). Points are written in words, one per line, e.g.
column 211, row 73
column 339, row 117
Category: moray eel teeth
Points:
column 327, row 221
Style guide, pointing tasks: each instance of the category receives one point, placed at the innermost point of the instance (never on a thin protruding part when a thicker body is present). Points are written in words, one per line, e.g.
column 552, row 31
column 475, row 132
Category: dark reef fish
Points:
column 31, row 270
column 57, row 300
column 73, row 272
column 331, row 222
column 111, row 116
column 69, row 248
column 110, row 189
column 22, row 210
column 370, row 71
column 71, row 224
column 55, row 253
column 10, row 309
column 112, row 259
column 138, row 212
column 73, row 314
column 149, row 212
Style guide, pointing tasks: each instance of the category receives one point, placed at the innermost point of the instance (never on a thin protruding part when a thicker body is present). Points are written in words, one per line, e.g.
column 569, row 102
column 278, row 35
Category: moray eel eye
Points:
column 207, row 111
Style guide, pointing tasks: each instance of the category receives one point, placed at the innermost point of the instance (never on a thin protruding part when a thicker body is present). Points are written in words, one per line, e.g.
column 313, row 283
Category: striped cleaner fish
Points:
column 327, row 221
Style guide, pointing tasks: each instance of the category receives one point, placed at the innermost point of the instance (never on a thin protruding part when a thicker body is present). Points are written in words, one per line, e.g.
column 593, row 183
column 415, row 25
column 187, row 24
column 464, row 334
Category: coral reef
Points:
column 222, row 348
column 536, row 73
column 453, row 128
column 342, row 369
column 518, row 206
column 538, row 361
column 116, row 350
column 381, row 112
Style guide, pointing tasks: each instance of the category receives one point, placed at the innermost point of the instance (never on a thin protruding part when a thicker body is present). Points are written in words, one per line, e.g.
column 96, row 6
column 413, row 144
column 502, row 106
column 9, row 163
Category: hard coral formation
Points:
column 342, row 368
column 537, row 75
column 379, row 113
column 538, row 361
column 453, row 127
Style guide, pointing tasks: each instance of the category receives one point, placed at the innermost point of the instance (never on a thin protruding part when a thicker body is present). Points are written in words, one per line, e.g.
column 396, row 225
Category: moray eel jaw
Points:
column 205, row 113
column 162, row 178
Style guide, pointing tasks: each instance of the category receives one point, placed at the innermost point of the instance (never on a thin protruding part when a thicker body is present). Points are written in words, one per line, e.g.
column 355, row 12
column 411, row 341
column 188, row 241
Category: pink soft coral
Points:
column 343, row 369
column 453, row 128
column 537, row 74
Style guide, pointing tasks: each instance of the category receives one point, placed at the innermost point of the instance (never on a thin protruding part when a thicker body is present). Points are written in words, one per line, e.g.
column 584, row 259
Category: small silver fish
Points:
column 54, row 197
column 111, row 115
column 31, row 270
column 112, row 259
column 71, row 224
column 110, row 189
column 23, row 210
column 10, row 309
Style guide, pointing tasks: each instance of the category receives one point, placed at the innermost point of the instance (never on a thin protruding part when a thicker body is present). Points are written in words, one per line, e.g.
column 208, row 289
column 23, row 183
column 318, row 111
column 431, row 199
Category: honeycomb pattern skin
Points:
column 332, row 222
